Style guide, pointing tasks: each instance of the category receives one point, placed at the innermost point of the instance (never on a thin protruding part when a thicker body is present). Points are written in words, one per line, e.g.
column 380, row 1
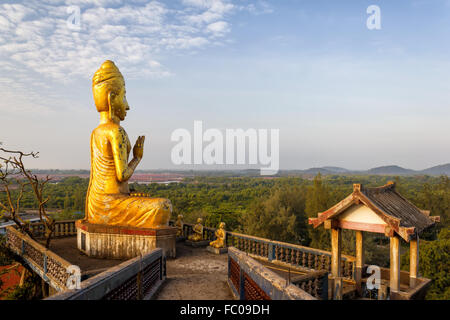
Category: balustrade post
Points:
column 310, row 258
column 241, row 285
column 324, row 286
column 45, row 262
column 164, row 267
column 271, row 255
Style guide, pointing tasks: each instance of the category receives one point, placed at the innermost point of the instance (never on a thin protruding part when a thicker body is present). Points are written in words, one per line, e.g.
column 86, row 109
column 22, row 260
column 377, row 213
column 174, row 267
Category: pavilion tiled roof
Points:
column 394, row 204
column 400, row 215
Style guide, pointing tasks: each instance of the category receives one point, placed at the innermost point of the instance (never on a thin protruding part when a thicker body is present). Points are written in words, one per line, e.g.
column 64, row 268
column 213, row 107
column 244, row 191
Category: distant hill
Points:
column 391, row 170
column 316, row 171
column 325, row 170
column 443, row 169
column 336, row 169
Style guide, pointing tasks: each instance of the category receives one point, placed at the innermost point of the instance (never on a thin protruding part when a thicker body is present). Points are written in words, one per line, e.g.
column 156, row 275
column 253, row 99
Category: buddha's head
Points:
column 199, row 220
column 108, row 87
column 180, row 216
column 222, row 225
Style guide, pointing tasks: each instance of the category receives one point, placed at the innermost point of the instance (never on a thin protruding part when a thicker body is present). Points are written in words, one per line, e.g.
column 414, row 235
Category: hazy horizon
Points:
column 237, row 168
column 340, row 94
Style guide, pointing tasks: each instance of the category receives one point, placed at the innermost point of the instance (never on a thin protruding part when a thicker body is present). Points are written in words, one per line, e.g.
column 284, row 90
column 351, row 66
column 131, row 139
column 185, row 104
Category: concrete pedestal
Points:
column 197, row 244
column 216, row 250
column 115, row 242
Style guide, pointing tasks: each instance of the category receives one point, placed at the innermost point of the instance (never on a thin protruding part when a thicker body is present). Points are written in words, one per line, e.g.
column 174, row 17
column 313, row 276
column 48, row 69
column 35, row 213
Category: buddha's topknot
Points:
column 106, row 79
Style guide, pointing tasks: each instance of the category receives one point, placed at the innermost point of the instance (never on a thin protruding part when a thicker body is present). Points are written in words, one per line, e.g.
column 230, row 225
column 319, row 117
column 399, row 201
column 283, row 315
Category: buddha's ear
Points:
column 110, row 105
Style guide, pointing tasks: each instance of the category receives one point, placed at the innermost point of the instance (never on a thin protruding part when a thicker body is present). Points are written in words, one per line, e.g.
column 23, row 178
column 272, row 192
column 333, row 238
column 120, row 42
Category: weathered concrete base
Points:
column 197, row 244
column 114, row 242
column 216, row 250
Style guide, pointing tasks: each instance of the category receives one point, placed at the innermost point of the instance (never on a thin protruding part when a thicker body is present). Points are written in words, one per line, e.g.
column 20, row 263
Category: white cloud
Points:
column 209, row 10
column 36, row 44
column 37, row 37
column 218, row 28
column 257, row 7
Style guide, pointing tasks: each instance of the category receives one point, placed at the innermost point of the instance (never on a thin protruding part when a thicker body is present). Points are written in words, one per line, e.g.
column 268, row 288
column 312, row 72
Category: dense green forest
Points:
column 278, row 208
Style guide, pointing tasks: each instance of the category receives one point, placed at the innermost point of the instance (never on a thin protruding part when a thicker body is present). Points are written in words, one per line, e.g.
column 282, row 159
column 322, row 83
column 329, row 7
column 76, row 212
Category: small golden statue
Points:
column 220, row 241
column 179, row 225
column 108, row 199
column 198, row 231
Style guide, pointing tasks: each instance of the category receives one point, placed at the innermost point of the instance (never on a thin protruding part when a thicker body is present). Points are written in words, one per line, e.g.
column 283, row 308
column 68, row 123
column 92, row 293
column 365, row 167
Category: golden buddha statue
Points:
column 108, row 199
column 220, row 237
column 198, row 231
column 179, row 225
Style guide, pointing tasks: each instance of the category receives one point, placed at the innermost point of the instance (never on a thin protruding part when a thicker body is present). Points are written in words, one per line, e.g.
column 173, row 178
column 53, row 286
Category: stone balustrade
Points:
column 135, row 279
column 63, row 228
column 250, row 280
column 208, row 233
column 49, row 266
column 416, row 292
column 315, row 283
column 286, row 254
column 133, row 282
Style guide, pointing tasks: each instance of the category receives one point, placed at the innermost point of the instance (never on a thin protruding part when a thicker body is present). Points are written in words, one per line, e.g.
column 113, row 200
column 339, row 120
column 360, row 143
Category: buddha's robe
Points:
column 108, row 200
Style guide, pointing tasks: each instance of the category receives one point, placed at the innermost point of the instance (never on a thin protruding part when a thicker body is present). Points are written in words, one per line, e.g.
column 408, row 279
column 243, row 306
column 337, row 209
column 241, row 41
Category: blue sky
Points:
column 340, row 94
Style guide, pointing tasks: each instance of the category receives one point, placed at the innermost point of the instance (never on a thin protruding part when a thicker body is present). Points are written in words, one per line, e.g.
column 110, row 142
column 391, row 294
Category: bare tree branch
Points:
column 13, row 166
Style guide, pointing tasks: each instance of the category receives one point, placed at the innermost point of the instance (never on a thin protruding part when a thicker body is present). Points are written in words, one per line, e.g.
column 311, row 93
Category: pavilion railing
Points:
column 290, row 255
column 408, row 292
column 135, row 279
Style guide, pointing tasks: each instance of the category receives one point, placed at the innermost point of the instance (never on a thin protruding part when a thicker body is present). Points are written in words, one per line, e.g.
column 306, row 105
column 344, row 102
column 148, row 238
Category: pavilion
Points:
column 381, row 210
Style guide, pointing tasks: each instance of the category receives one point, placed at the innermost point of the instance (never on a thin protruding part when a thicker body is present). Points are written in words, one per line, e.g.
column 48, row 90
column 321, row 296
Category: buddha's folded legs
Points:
column 140, row 212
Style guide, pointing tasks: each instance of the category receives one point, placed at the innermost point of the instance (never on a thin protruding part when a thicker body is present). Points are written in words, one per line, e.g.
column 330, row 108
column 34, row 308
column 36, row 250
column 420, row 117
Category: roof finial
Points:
column 357, row 187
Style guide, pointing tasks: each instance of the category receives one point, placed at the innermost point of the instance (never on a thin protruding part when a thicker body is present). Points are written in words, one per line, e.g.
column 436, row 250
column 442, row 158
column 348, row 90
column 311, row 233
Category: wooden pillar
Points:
column 359, row 260
column 394, row 282
column 45, row 289
column 413, row 262
column 336, row 240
